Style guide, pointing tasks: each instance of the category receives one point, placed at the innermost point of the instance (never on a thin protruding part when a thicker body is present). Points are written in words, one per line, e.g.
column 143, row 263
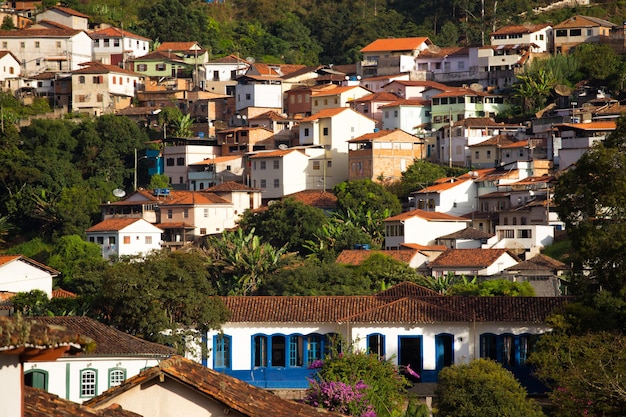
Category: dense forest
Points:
column 325, row 31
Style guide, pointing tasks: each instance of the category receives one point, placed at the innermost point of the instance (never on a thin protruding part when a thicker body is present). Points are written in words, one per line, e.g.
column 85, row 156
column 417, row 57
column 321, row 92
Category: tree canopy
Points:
column 482, row 388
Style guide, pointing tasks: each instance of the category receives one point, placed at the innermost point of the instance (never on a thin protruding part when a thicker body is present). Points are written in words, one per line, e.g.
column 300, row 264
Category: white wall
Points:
column 19, row 276
column 11, row 397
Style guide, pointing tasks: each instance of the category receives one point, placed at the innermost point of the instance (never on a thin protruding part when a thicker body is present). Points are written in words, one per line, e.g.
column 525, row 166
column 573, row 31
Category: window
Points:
column 180, row 161
column 477, row 154
column 461, row 65
column 278, row 351
column 22, row 45
column 306, row 131
column 316, row 165
column 488, row 346
column 276, row 183
column 206, row 213
column 222, row 355
column 376, row 344
column 276, row 164
column 36, row 378
column 203, row 231
column 170, row 214
column 325, row 131
column 81, row 79
column 313, row 348
column 98, row 79
column 263, row 164
column 488, row 154
column 116, row 42
column 260, row 351
column 88, row 383
column 148, row 240
column 100, row 240
column 37, row 44
column 142, row 67
column 116, row 376
column 127, row 240
column 111, row 240
column 170, row 162
column 99, row 98
column 575, row 32
column 248, row 96
column 263, row 184
column 107, row 42
column 186, row 213
column 160, row 67
column 560, row 33
column 296, row 351
column 5, row 45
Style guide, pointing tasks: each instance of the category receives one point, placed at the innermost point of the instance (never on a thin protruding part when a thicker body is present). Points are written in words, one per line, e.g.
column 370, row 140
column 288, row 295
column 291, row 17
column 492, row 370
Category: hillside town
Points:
column 260, row 134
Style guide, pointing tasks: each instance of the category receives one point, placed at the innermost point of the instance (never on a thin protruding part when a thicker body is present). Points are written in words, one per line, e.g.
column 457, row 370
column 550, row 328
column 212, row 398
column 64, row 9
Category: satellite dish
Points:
column 476, row 87
column 563, row 90
column 434, row 49
column 282, row 146
column 251, row 59
column 119, row 193
column 529, row 25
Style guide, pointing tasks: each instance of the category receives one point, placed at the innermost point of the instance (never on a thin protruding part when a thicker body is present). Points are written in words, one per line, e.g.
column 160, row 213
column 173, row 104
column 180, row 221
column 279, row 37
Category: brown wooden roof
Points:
column 233, row 393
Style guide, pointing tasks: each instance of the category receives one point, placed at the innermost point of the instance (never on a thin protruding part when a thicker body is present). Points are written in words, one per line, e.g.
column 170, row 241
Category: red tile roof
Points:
column 410, row 303
column 396, row 44
column 243, row 398
column 216, row 160
column 275, row 154
column 71, row 12
column 426, row 215
column 325, row 113
column 112, row 225
column 579, row 21
column 108, row 341
column 40, row 403
column 468, row 258
column 444, row 52
column 377, row 97
column 5, row 259
column 178, row 47
column 443, row 186
column 112, row 32
column 499, row 141
column 61, row 293
column 358, row 256
column 316, row 198
column 467, row 233
column 520, row 29
column 396, row 135
column 417, row 246
column 34, row 334
column 334, row 91
column 99, row 68
column 540, row 263
column 229, row 186
column 39, row 33
column 589, row 126
column 407, row 102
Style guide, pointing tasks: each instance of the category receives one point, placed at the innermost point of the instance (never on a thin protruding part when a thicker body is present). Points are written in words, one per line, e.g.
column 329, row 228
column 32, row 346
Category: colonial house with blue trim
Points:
column 271, row 342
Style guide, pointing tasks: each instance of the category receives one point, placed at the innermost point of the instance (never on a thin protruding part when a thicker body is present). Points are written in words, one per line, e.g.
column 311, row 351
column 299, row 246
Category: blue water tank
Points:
column 362, row 246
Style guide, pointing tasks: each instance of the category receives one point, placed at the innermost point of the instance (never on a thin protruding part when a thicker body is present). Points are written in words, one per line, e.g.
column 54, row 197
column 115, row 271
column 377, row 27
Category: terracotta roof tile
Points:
column 539, row 263
column 579, row 21
column 396, row 44
column 271, row 115
column 470, row 258
column 407, row 102
column 177, row 46
column 5, row 259
column 233, row 393
column 428, row 84
column 396, row 135
column 112, row 32
column 274, row 154
column 520, row 29
column 229, row 186
column 590, row 125
column 31, row 333
column 443, row 186
column 467, row 233
column 61, row 293
column 99, row 68
column 426, row 215
column 497, row 140
column 70, row 11
column 216, row 160
column 40, row 403
column 110, row 225
column 325, row 113
column 417, row 246
column 317, row 198
column 39, row 33
column 444, row 52
column 358, row 256
column 108, row 341
column 334, row 91
column 377, row 97
column 408, row 303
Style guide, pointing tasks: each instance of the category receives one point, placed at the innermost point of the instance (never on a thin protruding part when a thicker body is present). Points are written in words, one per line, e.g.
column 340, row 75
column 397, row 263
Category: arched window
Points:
column 88, row 383
column 36, row 378
column 116, row 376
column 376, row 344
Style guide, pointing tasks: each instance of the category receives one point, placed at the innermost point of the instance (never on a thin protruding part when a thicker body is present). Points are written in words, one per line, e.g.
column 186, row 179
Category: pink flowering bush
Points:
column 340, row 397
column 357, row 384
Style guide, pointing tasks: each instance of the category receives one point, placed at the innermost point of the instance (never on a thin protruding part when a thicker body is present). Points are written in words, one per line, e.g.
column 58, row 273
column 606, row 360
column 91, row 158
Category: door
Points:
column 410, row 355
column 444, row 349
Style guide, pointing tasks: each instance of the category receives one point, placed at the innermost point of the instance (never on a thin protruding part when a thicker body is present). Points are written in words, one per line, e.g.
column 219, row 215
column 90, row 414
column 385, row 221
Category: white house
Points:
column 419, row 226
column 454, row 196
column 483, row 263
column 280, row 172
column 125, row 237
column 115, row 357
column 415, row 89
column 332, row 129
column 41, row 50
column 215, row 170
column 19, row 273
column 578, row 138
column 113, row 46
column 65, row 16
column 524, row 237
column 10, row 70
column 336, row 97
column 539, row 35
column 468, row 238
column 391, row 56
column 410, row 115
column 220, row 75
column 99, row 89
column 271, row 341
column 240, row 195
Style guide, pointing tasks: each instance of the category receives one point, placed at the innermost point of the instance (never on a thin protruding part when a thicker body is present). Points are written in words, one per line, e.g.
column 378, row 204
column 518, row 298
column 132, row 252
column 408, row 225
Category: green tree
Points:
column 591, row 200
column 157, row 298
column 482, row 388
column 492, row 287
column 71, row 255
column 312, row 278
column 165, row 20
column 533, row 89
column 7, row 23
column 362, row 196
column 183, row 126
column 241, row 262
column 159, row 181
column 598, row 63
column 288, row 223
column 381, row 271
column 31, row 303
column 587, row 373
column 417, row 176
